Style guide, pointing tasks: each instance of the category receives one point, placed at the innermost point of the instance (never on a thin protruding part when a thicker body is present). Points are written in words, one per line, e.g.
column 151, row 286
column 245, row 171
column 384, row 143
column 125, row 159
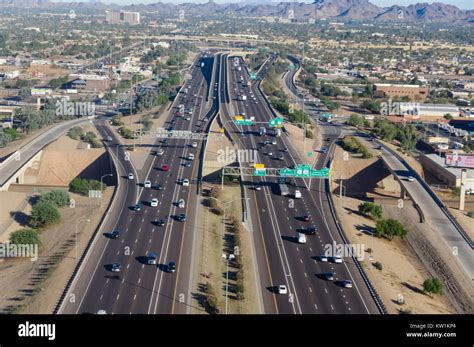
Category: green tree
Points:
column 25, row 237
column 355, row 120
column 44, row 214
column 390, row 228
column 371, row 209
column 56, row 197
column 433, row 286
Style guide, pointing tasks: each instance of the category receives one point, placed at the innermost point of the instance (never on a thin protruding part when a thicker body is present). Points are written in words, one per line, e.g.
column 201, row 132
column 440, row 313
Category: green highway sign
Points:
column 326, row 115
column 323, row 173
column 259, row 172
column 243, row 122
column 276, row 122
column 253, row 76
column 287, row 172
column 303, row 170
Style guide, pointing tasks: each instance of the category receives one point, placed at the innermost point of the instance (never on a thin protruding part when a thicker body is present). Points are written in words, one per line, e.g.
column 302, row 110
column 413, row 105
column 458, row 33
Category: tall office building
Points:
column 122, row 17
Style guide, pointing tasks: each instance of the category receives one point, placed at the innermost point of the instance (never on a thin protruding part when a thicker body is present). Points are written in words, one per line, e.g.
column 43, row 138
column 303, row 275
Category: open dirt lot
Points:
column 37, row 285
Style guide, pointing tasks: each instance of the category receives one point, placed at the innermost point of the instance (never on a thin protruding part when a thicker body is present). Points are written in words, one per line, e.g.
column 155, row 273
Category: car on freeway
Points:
column 285, row 149
column 160, row 151
column 131, row 176
column 154, row 202
column 171, row 267
column 305, row 218
column 194, row 144
column 270, row 154
column 115, row 267
column 191, row 156
column 346, row 284
column 101, row 312
column 300, row 237
column 328, row 276
column 258, row 187
column 323, row 258
column 157, row 187
column 282, row 289
column 185, row 182
column 411, row 179
column 281, row 157
column 188, row 164
column 274, row 142
column 165, row 167
column 324, row 150
column 336, row 259
column 147, row 184
column 181, row 203
column 309, row 231
column 182, row 217
column 114, row 234
column 137, row 207
column 151, row 258
column 160, row 222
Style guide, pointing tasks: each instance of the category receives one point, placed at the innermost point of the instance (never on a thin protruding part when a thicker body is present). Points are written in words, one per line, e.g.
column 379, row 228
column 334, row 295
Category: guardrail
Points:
column 433, row 195
column 91, row 240
column 378, row 301
column 370, row 287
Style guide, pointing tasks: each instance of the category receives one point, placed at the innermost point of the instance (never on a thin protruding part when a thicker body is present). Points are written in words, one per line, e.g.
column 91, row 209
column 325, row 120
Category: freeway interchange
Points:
column 115, row 275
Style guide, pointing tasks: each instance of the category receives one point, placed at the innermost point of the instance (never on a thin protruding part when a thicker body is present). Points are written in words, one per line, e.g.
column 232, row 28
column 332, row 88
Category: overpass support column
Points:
column 462, row 193
column 403, row 192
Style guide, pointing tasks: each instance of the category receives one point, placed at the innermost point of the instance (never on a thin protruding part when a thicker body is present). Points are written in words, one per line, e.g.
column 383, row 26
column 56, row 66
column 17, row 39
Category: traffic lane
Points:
column 343, row 275
column 135, row 223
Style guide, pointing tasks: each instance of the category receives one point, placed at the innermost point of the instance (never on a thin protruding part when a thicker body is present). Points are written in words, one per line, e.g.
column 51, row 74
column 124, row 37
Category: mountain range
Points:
column 341, row 10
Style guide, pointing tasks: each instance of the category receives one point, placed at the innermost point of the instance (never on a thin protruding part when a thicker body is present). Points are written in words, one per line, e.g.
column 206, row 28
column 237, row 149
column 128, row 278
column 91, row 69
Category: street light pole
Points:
column 101, row 183
column 77, row 224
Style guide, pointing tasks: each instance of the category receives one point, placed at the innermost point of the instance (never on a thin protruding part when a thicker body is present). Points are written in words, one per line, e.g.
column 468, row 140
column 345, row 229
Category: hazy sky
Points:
column 464, row 4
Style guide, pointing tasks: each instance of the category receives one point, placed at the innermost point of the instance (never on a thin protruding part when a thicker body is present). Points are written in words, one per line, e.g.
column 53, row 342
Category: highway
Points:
column 23, row 155
column 138, row 287
column 292, row 264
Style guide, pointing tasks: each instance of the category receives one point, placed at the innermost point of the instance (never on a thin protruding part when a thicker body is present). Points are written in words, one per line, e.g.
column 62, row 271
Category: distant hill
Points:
column 343, row 10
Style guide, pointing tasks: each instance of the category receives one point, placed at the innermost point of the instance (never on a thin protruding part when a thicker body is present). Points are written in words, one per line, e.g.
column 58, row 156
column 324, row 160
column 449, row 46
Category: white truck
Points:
column 284, row 191
column 244, row 97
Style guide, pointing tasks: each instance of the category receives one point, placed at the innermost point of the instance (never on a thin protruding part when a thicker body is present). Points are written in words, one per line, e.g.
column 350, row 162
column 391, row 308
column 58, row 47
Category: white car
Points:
column 336, row 259
column 101, row 312
column 160, row 151
column 411, row 179
column 191, row 156
column 282, row 289
column 346, row 284
column 185, row 182
column 323, row 258
column 131, row 176
column 154, row 202
column 258, row 187
column 181, row 203
column 147, row 184
column 194, row 144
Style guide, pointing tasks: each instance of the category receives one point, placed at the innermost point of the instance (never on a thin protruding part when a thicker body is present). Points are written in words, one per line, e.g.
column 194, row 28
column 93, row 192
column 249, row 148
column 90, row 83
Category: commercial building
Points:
column 412, row 91
column 87, row 82
column 122, row 17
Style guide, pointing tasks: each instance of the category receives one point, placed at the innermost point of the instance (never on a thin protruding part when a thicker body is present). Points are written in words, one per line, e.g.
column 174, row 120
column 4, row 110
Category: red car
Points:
column 165, row 167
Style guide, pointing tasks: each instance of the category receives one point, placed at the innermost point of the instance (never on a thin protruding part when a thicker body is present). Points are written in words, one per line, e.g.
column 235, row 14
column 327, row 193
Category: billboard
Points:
column 438, row 139
column 460, row 160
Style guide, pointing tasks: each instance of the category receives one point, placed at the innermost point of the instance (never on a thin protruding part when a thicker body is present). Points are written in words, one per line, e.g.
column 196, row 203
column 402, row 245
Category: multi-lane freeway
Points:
column 138, row 287
column 277, row 219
